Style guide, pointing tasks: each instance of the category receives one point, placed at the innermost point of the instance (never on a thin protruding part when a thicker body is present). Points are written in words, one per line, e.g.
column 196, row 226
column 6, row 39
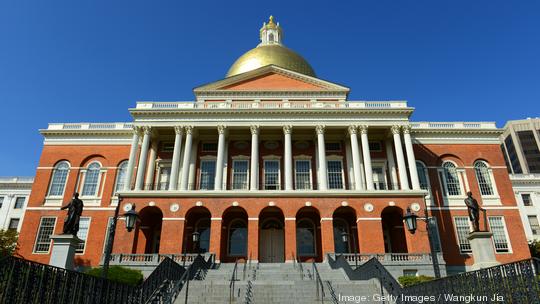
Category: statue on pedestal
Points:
column 71, row 222
column 474, row 211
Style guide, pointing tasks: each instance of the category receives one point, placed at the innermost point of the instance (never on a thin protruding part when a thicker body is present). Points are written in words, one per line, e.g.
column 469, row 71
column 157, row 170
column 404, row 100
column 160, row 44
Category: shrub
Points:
column 406, row 281
column 8, row 242
column 119, row 274
column 534, row 248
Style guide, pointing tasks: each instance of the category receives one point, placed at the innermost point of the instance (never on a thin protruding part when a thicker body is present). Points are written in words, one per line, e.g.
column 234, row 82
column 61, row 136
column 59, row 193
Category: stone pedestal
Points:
column 482, row 249
column 63, row 250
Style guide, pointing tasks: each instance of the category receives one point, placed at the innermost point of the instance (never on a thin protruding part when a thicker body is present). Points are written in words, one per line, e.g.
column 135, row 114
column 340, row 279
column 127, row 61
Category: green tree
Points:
column 534, row 248
column 8, row 242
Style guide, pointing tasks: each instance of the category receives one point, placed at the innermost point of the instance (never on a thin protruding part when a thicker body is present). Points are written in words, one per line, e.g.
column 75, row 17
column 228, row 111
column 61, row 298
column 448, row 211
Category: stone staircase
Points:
column 275, row 283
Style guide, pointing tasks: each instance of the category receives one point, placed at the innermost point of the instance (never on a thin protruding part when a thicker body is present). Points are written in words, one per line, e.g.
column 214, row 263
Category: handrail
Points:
column 249, row 293
column 300, row 267
column 332, row 292
column 231, row 284
column 318, row 282
column 245, row 265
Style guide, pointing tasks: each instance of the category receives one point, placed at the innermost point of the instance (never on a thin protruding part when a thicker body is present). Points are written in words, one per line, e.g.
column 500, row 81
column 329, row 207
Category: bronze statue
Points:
column 71, row 222
column 474, row 211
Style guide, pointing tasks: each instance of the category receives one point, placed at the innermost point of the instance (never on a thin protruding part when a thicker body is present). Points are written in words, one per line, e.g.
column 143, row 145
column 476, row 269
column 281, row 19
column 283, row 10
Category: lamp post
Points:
column 131, row 218
column 411, row 221
column 195, row 237
column 345, row 240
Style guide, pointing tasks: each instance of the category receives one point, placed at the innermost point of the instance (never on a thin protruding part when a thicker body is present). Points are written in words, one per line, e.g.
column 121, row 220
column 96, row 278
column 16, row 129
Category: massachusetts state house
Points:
column 273, row 164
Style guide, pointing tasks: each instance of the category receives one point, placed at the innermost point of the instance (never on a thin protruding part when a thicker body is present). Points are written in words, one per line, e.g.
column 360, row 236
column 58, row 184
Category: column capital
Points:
column 363, row 129
column 221, row 129
column 320, row 129
column 353, row 129
column 147, row 130
column 137, row 130
column 407, row 129
column 396, row 129
column 287, row 129
column 255, row 129
column 178, row 130
column 188, row 129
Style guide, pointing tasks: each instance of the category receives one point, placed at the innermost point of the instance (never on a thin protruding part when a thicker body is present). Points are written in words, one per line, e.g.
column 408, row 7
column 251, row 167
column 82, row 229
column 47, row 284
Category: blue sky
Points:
column 89, row 61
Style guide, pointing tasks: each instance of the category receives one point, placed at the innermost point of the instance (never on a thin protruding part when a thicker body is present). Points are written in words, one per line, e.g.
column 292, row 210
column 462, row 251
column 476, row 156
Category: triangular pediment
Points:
column 271, row 78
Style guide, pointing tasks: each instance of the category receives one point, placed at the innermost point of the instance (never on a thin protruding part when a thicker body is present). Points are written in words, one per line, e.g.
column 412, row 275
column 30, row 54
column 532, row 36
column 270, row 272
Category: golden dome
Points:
column 271, row 54
column 271, row 51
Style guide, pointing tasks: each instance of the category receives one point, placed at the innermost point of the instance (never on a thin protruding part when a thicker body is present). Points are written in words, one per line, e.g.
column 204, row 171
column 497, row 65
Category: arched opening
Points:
column 148, row 231
column 308, row 234
column 197, row 220
column 393, row 230
column 271, row 236
column 345, row 231
column 234, row 236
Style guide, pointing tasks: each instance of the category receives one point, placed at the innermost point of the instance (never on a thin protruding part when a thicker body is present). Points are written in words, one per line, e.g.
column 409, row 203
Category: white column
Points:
column 254, row 170
column 175, row 166
column 151, row 163
column 193, row 164
column 132, row 156
column 402, row 170
column 391, row 164
column 411, row 160
column 358, row 185
column 187, row 153
column 321, row 151
column 141, row 168
column 367, row 157
column 218, row 181
column 350, row 170
column 287, row 131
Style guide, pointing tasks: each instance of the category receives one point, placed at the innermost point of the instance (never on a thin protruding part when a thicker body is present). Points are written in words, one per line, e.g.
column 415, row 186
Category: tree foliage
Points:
column 8, row 242
column 534, row 248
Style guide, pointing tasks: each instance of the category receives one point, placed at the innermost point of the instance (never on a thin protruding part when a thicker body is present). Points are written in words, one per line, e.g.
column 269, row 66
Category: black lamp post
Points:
column 411, row 220
column 345, row 240
column 131, row 218
column 195, row 237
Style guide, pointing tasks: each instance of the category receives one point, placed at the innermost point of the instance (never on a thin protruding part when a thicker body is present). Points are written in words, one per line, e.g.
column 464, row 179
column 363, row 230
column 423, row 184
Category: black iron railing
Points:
column 232, row 282
column 318, row 283
column 249, row 293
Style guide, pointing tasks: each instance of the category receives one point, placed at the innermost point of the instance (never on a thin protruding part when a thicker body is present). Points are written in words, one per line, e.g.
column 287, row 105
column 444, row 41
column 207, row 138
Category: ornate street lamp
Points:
column 411, row 220
column 196, row 235
column 345, row 238
column 131, row 218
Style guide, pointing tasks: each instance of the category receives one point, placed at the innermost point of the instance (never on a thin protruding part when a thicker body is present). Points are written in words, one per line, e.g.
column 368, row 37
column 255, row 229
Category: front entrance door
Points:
column 272, row 249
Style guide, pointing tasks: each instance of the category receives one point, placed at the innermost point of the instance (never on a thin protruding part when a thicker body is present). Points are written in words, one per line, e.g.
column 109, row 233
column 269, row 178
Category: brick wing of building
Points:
column 270, row 164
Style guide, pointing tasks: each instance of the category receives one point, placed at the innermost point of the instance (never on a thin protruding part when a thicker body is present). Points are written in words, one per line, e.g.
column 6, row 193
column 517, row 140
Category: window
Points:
column 526, row 197
column 240, row 174
column 238, row 238
column 82, row 234
column 209, row 147
column 535, row 226
column 305, row 238
column 19, row 202
column 271, row 175
column 435, row 234
column 45, row 230
column 203, row 228
column 463, row 229
column 13, row 223
column 333, row 146
column 498, row 228
column 164, row 177
column 530, row 150
column 340, row 228
column 59, row 177
column 1, row 201
column 208, row 174
column 335, row 174
column 167, row 147
column 91, row 179
column 422, row 171
column 483, row 177
column 512, row 154
column 302, row 174
column 375, row 146
column 451, row 179
column 506, row 160
column 121, row 177
column 379, row 181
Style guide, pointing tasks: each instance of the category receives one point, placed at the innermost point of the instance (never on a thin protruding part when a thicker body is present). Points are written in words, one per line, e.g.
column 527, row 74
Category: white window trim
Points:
column 457, row 234
column 92, row 200
column 24, row 203
column 488, row 200
column 311, row 254
column 240, row 158
column 383, row 164
column 160, row 164
column 334, row 157
column 201, row 160
column 271, row 158
column 508, row 241
column 304, row 158
column 37, row 235
column 56, row 200
column 87, row 234
column 453, row 200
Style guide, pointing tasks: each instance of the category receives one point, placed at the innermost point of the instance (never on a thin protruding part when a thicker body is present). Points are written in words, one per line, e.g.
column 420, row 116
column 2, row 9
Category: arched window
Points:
column 237, row 238
column 305, row 238
column 121, row 176
column 59, row 177
column 91, row 180
column 422, row 175
column 341, row 228
column 203, row 228
column 451, row 178
column 483, row 177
